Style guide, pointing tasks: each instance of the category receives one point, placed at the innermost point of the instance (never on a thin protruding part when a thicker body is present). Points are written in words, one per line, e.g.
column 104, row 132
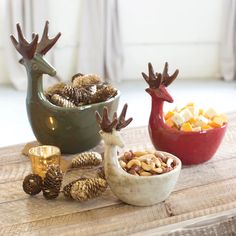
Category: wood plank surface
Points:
column 203, row 201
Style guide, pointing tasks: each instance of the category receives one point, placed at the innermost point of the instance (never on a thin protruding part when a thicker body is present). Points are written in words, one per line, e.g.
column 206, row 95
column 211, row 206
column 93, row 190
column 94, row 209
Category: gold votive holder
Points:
column 43, row 156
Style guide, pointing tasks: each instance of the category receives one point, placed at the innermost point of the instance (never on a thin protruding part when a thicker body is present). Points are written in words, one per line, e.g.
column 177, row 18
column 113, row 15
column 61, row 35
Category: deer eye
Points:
column 35, row 67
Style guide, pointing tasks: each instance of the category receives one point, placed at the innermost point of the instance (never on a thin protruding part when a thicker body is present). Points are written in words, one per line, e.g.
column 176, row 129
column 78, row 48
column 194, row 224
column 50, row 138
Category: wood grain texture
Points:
column 203, row 202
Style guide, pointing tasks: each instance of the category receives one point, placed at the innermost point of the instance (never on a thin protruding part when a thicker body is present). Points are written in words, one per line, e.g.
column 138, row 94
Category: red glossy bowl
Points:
column 189, row 147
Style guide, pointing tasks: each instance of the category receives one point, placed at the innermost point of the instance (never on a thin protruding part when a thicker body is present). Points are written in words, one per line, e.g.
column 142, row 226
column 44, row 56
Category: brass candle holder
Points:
column 43, row 156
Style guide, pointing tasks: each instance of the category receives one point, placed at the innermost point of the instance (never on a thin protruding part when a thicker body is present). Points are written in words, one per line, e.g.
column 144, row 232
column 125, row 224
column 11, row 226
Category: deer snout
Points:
column 52, row 73
column 113, row 138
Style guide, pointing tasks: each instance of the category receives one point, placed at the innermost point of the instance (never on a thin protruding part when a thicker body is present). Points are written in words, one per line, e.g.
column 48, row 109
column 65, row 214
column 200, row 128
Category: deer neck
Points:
column 156, row 116
column 111, row 164
column 110, row 157
column 35, row 84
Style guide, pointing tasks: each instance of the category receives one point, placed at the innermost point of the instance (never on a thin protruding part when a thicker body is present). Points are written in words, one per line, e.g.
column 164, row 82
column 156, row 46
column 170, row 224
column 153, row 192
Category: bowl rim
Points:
column 174, row 131
column 79, row 108
column 33, row 150
column 161, row 176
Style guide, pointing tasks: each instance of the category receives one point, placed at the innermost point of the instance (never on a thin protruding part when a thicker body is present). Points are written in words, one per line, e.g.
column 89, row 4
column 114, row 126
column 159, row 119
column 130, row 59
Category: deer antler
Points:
column 122, row 123
column 166, row 78
column 155, row 80
column 26, row 49
column 104, row 122
column 117, row 123
column 45, row 43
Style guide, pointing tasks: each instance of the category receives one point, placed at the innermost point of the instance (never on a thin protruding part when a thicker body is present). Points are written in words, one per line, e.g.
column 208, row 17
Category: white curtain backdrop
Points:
column 228, row 45
column 31, row 14
column 101, row 48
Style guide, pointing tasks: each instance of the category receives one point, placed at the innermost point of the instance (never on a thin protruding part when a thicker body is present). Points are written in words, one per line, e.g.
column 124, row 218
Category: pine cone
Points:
column 52, row 182
column 32, row 184
column 85, row 189
column 103, row 94
column 101, row 173
column 85, row 80
column 69, row 92
column 86, row 159
column 67, row 188
column 102, row 85
column 76, row 76
column 78, row 96
column 91, row 89
column 55, row 89
column 84, row 95
column 59, row 100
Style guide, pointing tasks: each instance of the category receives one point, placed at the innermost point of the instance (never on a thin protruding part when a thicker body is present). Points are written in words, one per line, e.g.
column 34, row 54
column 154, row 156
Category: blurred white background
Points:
column 189, row 34
column 186, row 33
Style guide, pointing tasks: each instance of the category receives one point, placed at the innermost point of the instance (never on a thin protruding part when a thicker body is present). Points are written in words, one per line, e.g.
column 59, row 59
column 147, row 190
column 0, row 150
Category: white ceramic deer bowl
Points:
column 134, row 190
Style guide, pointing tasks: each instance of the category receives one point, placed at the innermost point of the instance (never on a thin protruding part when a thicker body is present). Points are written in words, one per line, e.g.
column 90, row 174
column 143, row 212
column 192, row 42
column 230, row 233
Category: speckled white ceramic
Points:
column 136, row 190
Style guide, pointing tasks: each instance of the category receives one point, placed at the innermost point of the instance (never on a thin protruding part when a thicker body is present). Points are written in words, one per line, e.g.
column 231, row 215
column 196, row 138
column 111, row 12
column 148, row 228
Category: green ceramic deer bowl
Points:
column 73, row 130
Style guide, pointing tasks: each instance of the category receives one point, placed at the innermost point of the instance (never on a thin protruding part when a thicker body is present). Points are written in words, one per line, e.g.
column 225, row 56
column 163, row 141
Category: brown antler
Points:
column 117, row 123
column 45, row 43
column 166, row 78
column 122, row 123
column 26, row 49
column 104, row 122
column 155, row 80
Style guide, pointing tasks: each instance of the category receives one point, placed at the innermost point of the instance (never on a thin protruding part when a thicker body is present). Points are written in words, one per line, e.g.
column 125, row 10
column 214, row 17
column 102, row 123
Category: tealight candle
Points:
column 43, row 156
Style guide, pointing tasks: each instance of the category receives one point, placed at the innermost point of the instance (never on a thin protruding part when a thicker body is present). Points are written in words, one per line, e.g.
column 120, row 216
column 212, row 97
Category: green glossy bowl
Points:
column 73, row 130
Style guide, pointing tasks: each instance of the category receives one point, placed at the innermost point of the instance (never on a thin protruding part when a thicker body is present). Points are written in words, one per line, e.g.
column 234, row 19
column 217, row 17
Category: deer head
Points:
column 110, row 128
column 158, row 82
column 34, row 51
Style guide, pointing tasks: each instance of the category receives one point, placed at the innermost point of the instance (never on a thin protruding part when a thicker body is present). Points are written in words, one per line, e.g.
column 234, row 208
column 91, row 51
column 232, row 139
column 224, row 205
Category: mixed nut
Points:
column 144, row 163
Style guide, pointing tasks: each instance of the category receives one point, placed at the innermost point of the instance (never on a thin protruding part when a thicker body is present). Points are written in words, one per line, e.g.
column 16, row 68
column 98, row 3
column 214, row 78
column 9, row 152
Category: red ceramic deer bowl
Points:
column 189, row 147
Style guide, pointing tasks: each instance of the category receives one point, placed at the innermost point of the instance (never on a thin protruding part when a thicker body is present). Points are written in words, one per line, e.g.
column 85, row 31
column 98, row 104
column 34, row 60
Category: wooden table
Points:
column 203, row 202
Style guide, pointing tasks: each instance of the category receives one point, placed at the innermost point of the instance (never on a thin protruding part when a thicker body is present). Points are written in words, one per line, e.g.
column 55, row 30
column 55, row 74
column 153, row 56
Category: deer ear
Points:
column 149, row 90
column 21, row 61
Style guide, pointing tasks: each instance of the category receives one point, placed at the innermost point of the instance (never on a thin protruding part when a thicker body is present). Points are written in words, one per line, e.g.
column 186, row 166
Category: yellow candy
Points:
column 200, row 112
column 169, row 114
column 186, row 120
column 217, row 122
column 197, row 129
column 192, row 120
column 191, row 109
column 206, row 127
column 187, row 127
column 210, row 113
column 170, row 122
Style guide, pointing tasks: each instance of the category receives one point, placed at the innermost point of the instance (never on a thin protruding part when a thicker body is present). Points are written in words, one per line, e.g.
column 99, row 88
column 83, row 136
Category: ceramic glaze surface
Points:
column 136, row 190
column 71, row 129
column 190, row 147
